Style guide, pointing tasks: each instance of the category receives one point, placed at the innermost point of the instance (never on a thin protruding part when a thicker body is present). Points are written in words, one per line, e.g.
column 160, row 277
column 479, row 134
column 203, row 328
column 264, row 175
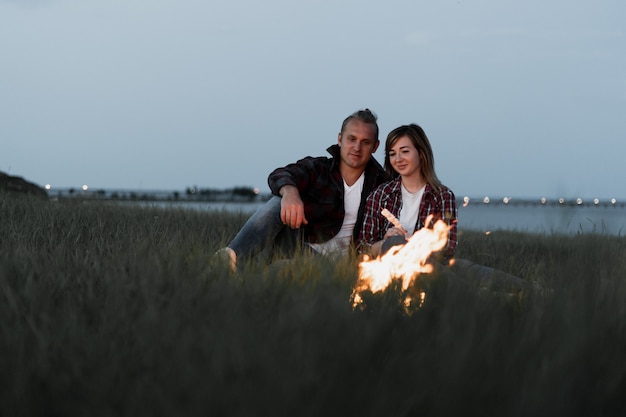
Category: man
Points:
column 318, row 202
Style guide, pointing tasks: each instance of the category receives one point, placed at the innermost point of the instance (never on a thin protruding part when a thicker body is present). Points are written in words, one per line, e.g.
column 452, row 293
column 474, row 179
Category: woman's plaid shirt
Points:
column 440, row 203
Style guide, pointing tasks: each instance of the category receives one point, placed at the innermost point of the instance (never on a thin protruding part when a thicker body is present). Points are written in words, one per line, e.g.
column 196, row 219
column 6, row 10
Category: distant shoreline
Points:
column 251, row 196
column 190, row 195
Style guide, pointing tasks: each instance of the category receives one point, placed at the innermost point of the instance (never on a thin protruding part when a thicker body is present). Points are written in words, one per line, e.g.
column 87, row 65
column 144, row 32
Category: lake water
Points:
column 609, row 219
column 538, row 218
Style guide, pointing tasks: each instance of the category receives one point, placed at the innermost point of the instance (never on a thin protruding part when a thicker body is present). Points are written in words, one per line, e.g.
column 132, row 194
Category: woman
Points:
column 412, row 195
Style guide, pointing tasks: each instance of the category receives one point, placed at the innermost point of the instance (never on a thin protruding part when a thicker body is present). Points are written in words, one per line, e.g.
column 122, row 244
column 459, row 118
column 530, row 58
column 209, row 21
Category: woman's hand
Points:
column 395, row 231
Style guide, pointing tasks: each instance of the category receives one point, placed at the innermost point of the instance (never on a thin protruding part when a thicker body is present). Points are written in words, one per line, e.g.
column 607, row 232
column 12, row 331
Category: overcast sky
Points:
column 519, row 98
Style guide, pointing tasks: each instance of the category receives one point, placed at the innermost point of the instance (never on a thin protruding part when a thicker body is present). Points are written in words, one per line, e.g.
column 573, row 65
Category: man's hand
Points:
column 291, row 207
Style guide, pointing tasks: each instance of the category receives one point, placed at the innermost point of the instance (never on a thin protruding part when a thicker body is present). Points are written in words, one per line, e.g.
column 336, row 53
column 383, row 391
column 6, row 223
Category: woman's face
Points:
column 404, row 157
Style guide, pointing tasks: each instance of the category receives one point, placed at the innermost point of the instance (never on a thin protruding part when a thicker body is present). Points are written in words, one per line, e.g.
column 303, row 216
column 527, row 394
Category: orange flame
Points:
column 404, row 262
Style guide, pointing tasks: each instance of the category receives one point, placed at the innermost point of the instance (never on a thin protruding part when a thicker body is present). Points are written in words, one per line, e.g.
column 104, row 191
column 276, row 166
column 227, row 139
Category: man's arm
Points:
column 287, row 181
column 291, row 207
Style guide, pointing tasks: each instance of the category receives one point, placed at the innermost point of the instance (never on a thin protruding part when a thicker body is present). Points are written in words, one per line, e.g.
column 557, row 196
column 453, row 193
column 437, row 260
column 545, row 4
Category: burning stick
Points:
column 392, row 219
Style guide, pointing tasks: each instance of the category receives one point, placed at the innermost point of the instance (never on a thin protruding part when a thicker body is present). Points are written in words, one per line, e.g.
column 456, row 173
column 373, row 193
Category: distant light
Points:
column 561, row 200
column 486, row 200
column 488, row 232
column 579, row 201
column 47, row 186
column 596, row 201
column 85, row 188
column 256, row 191
column 613, row 201
column 543, row 200
column 506, row 200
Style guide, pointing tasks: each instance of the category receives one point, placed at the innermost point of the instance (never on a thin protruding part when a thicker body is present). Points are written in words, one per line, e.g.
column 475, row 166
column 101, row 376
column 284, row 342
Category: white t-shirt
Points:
column 351, row 201
column 410, row 208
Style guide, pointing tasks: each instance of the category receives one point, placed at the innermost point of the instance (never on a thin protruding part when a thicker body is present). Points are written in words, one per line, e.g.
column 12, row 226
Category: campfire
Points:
column 405, row 263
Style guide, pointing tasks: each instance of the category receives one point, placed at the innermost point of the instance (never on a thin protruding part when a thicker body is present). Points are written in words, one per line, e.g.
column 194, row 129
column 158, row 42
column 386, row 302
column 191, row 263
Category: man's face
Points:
column 358, row 143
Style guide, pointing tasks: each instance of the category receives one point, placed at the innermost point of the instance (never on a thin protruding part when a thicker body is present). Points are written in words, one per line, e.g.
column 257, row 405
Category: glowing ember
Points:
column 404, row 262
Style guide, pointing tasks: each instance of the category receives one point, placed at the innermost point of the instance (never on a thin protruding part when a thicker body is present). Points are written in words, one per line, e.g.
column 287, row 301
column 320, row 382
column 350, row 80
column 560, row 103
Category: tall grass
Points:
column 112, row 311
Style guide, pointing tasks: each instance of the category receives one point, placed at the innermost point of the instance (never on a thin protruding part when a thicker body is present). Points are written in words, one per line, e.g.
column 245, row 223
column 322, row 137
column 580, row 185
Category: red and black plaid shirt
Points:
column 321, row 188
column 440, row 203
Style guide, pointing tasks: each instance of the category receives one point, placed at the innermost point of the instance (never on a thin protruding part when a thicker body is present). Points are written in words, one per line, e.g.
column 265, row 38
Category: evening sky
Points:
column 518, row 98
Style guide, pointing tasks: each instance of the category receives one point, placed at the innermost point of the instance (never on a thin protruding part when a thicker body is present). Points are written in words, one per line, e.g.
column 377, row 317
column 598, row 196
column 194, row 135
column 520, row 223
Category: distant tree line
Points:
column 214, row 194
column 237, row 194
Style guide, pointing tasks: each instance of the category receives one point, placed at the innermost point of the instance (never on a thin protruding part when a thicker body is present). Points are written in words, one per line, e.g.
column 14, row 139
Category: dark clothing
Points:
column 321, row 189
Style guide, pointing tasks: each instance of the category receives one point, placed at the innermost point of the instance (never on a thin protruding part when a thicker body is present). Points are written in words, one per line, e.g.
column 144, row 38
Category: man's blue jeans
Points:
column 264, row 233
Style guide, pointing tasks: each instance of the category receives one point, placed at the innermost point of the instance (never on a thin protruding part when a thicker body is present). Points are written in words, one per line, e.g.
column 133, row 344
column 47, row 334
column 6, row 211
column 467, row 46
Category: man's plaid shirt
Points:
column 440, row 203
column 321, row 188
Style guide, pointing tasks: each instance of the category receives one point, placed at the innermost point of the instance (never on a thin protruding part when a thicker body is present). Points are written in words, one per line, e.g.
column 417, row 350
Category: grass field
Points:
column 119, row 311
